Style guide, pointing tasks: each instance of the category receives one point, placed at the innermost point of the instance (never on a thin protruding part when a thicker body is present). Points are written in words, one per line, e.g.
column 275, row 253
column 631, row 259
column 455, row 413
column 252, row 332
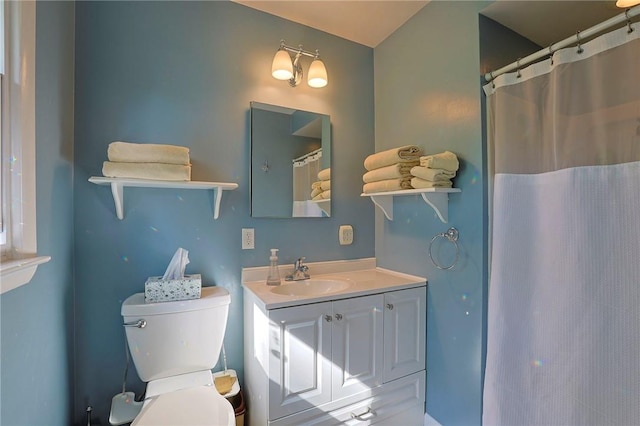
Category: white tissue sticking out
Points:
column 178, row 264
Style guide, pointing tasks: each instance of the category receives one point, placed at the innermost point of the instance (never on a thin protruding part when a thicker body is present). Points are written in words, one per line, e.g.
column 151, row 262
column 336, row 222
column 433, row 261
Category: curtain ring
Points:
column 580, row 49
column 518, row 75
column 630, row 28
column 551, row 54
column 493, row 80
column 452, row 236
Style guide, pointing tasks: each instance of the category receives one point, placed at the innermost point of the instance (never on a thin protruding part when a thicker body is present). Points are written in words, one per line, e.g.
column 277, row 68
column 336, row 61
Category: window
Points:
column 17, row 142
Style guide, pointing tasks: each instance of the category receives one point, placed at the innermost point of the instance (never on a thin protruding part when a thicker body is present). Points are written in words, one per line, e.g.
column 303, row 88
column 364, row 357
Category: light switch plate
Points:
column 345, row 235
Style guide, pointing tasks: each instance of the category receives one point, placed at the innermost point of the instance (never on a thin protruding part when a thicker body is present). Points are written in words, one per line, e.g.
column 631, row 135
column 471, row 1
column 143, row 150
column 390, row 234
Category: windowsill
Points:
column 17, row 272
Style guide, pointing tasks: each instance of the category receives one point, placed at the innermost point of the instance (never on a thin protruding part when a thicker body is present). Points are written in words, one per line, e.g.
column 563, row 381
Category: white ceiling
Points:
column 547, row 22
column 363, row 21
column 369, row 22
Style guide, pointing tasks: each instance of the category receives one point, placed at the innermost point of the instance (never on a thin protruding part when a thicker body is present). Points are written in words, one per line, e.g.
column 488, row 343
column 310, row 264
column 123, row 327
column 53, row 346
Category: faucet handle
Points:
column 299, row 262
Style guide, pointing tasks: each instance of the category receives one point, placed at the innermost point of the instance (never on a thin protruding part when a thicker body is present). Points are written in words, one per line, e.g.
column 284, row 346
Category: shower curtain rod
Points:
column 302, row 157
column 577, row 38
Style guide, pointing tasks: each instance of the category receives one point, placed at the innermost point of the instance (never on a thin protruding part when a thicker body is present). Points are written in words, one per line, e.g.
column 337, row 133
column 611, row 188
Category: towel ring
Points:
column 452, row 236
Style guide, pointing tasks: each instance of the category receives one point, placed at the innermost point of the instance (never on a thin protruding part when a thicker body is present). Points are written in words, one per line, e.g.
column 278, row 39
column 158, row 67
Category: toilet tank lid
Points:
column 210, row 297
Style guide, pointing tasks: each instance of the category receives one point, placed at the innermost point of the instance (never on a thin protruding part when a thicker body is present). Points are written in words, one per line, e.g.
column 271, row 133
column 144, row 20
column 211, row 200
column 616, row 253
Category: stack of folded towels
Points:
column 147, row 161
column 321, row 190
column 390, row 170
column 435, row 171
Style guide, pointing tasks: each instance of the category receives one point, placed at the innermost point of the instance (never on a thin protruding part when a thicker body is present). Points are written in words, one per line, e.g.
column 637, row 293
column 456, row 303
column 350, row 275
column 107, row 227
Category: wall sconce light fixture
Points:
column 627, row 3
column 283, row 68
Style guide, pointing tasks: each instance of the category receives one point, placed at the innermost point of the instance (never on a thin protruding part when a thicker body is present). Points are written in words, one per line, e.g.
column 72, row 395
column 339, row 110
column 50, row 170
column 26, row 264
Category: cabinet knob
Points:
column 338, row 317
column 327, row 318
column 390, row 306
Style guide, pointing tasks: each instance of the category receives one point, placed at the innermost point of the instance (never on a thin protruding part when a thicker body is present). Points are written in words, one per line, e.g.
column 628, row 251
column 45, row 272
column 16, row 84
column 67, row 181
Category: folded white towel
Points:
column 433, row 175
column 324, row 195
column 392, row 156
column 416, row 182
column 445, row 160
column 127, row 152
column 390, row 172
column 324, row 174
column 155, row 171
column 326, row 184
column 387, row 185
column 315, row 191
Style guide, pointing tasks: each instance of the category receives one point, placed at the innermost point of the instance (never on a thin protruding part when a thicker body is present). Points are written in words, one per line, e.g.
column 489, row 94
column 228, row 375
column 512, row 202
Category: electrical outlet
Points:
column 248, row 239
column 345, row 235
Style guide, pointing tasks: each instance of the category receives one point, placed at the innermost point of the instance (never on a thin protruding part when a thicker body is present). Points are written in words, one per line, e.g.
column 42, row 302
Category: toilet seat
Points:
column 200, row 405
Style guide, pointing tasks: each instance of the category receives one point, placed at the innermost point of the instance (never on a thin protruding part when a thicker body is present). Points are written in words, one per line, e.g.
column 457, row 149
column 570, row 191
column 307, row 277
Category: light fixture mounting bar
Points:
column 299, row 50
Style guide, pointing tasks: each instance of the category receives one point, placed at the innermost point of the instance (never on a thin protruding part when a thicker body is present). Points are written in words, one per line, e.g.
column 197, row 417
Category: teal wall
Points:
column 37, row 319
column 184, row 73
column 427, row 92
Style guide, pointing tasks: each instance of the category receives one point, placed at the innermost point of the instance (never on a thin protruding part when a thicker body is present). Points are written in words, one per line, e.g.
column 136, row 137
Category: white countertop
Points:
column 363, row 282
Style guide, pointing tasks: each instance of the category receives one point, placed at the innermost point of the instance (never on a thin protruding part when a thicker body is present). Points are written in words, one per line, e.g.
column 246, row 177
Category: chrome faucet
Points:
column 299, row 271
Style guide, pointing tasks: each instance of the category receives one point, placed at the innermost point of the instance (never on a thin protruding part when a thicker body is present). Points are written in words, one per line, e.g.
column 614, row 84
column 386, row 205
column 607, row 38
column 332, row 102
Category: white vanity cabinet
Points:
column 352, row 360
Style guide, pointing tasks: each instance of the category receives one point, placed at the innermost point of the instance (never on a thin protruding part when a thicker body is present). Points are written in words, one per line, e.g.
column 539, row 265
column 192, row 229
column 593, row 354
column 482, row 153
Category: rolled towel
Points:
column 402, row 154
column 326, row 184
column 155, row 171
column 390, row 172
column 324, row 195
column 417, row 183
column 387, row 185
column 315, row 185
column 433, row 175
column 315, row 191
column 127, row 152
column 445, row 160
column 324, row 174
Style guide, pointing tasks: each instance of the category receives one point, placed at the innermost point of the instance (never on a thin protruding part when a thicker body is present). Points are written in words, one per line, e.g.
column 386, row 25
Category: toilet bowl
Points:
column 201, row 405
column 174, row 345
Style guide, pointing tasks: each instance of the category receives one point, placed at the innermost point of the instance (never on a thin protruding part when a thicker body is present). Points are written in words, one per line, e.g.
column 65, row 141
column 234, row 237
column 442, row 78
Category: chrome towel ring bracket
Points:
column 452, row 236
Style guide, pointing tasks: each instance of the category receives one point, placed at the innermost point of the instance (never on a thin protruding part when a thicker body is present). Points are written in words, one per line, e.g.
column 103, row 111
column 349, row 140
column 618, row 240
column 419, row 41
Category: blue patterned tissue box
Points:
column 158, row 290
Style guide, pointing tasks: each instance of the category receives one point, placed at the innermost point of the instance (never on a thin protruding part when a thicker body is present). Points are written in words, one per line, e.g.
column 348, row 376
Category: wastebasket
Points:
column 237, row 401
column 234, row 396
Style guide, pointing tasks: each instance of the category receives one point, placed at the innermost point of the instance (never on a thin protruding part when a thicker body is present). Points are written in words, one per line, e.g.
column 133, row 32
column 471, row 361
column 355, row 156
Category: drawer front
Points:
column 402, row 399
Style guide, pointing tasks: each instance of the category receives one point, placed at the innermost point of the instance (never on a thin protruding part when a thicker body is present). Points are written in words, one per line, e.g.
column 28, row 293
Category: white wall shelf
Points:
column 118, row 185
column 437, row 198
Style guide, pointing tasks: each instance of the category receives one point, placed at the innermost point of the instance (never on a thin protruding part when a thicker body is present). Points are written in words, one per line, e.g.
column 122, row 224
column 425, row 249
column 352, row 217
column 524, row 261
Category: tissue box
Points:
column 158, row 290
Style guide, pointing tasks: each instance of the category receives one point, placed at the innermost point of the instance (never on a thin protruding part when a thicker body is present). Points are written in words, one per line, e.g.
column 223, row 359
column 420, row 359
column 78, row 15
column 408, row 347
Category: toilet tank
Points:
column 178, row 337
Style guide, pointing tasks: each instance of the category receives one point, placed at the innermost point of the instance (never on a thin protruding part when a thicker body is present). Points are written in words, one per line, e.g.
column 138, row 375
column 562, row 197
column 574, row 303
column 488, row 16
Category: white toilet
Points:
column 174, row 346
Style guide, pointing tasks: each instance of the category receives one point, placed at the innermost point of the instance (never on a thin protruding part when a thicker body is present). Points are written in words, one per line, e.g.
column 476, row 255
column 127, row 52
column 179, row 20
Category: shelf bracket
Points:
column 217, row 197
column 439, row 202
column 385, row 202
column 117, row 189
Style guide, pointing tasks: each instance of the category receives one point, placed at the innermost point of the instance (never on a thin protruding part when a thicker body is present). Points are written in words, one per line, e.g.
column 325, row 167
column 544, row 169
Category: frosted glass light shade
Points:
column 627, row 3
column 282, row 68
column 317, row 76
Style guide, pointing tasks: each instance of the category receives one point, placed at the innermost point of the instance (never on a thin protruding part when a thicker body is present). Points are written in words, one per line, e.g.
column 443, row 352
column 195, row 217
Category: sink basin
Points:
column 311, row 287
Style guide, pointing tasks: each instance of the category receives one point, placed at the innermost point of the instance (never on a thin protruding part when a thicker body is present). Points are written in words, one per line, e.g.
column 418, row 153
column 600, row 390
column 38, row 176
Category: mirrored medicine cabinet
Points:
column 289, row 147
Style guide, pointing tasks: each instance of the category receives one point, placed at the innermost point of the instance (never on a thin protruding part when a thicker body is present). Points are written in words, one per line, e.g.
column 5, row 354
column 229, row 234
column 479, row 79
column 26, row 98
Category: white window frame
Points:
column 19, row 259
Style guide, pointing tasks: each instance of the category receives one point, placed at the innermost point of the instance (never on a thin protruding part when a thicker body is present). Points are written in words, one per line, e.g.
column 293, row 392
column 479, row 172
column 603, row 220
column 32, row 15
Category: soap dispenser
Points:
column 274, row 276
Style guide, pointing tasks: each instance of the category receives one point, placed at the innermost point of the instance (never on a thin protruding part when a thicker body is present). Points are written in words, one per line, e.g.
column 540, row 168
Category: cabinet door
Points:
column 299, row 362
column 356, row 345
column 405, row 324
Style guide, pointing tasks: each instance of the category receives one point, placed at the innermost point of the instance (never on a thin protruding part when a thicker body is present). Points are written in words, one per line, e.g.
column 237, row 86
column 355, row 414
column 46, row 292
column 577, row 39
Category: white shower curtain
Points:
column 305, row 172
column 563, row 344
